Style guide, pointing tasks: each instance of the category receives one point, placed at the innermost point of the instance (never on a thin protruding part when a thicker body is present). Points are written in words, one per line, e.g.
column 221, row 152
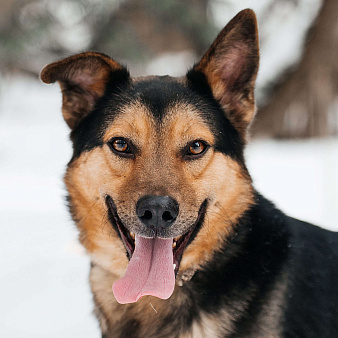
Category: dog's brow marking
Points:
column 188, row 127
column 153, row 307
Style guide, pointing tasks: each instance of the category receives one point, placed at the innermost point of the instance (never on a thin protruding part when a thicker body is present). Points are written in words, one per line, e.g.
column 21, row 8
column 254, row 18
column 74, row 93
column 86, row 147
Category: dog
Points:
column 181, row 244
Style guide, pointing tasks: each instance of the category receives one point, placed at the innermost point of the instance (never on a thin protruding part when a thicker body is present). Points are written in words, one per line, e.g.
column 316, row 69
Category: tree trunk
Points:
column 306, row 105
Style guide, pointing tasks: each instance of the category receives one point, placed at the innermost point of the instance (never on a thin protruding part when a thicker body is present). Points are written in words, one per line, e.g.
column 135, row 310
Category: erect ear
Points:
column 83, row 79
column 230, row 67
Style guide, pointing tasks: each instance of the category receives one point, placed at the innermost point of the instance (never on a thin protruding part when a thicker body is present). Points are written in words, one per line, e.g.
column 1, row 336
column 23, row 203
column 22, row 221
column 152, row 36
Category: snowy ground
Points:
column 44, row 290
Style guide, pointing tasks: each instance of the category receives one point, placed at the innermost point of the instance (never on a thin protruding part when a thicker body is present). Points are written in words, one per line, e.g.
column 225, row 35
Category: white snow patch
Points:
column 300, row 177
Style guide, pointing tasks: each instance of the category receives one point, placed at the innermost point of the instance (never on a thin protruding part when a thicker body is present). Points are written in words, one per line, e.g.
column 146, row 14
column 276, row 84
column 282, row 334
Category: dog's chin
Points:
column 180, row 242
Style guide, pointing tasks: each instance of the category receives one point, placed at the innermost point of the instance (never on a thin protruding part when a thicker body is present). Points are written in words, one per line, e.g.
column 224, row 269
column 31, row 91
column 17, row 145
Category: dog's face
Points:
column 160, row 157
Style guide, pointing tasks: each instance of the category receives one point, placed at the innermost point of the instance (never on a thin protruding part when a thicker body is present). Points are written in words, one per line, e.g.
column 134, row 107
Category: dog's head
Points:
column 157, row 170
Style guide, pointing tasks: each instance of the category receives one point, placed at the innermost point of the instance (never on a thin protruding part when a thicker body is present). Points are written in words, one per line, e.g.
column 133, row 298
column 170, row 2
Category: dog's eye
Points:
column 196, row 148
column 120, row 146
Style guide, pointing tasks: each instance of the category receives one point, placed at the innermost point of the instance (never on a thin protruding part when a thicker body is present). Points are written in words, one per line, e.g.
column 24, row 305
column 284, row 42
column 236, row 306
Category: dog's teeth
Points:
column 132, row 235
column 177, row 238
column 174, row 266
column 174, row 245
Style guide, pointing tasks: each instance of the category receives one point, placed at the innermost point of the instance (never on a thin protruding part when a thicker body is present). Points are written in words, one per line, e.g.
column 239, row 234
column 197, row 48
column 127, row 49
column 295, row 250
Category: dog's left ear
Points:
column 230, row 67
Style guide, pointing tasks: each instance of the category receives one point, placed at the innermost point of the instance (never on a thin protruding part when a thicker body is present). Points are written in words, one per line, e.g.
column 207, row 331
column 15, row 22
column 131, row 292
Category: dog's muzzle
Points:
column 157, row 212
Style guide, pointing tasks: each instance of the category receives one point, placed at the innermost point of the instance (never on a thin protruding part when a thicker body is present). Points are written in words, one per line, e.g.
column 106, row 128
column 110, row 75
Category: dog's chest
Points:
column 180, row 315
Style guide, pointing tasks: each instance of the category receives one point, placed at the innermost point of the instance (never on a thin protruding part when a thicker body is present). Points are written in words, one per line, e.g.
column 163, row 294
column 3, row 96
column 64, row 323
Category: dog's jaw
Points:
column 180, row 243
column 143, row 254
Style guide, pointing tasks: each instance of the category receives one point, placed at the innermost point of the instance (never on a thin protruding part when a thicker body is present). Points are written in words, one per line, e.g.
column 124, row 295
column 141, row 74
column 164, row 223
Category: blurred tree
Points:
column 36, row 32
column 305, row 104
column 160, row 26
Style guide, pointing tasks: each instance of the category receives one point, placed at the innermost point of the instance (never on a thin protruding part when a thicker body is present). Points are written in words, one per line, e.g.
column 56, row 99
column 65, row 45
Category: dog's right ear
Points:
column 83, row 79
column 230, row 67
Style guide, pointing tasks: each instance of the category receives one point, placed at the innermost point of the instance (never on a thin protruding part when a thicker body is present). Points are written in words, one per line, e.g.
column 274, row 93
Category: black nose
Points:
column 157, row 212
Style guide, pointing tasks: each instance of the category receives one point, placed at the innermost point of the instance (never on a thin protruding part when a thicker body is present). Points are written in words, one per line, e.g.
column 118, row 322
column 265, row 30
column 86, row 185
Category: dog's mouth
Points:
column 154, row 262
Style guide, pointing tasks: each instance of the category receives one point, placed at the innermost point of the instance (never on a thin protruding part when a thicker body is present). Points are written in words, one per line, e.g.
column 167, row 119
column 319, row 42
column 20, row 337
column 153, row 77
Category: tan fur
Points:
column 85, row 183
column 98, row 172
column 160, row 170
column 149, row 311
column 231, row 200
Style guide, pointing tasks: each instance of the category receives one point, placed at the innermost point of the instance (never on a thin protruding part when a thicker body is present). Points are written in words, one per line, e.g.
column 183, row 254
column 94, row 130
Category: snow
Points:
column 301, row 177
column 44, row 272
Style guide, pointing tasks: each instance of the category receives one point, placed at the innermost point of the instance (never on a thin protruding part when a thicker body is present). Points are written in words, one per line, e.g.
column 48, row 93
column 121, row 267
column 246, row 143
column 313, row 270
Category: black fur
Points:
column 266, row 245
column 312, row 300
column 228, row 140
column 130, row 328
column 157, row 94
column 89, row 132
column 247, row 267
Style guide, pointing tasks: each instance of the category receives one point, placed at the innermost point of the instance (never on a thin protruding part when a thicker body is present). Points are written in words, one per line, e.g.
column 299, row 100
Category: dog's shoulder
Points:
column 311, row 240
column 314, row 250
column 312, row 285
column 302, row 261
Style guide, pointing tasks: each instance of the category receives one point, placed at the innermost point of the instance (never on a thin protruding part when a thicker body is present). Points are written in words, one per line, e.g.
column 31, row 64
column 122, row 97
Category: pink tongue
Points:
column 150, row 271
